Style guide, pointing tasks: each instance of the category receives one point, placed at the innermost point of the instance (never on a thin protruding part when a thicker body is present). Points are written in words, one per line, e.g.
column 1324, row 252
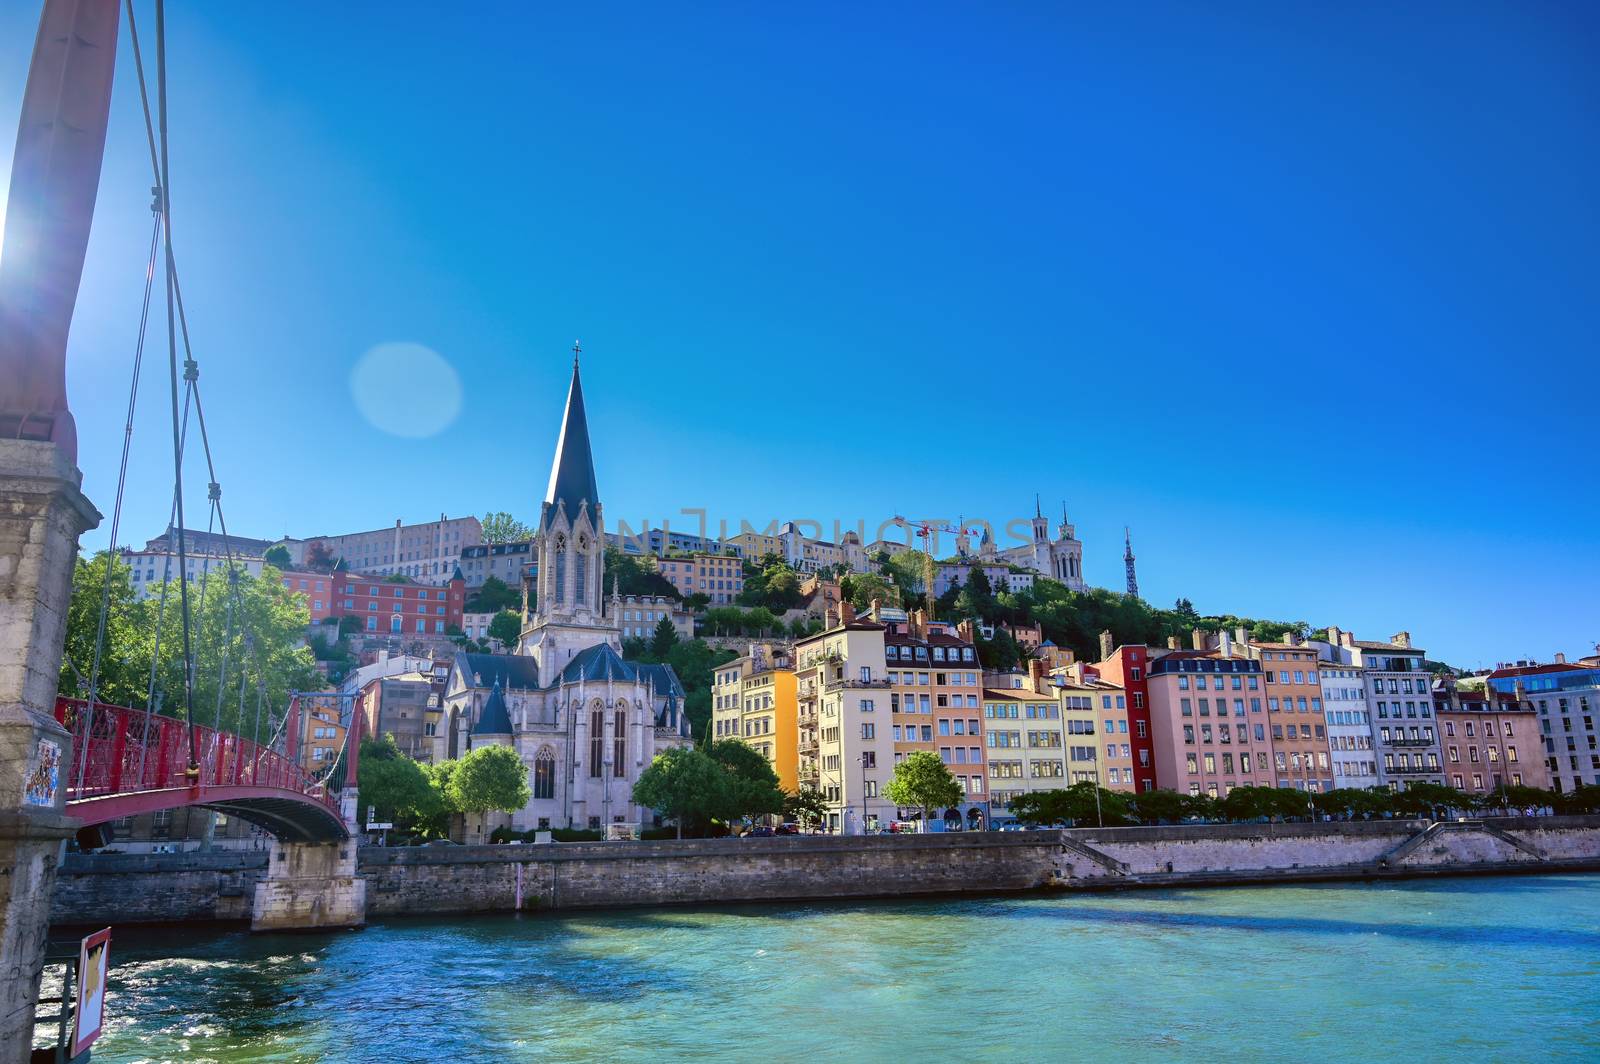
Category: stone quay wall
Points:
column 469, row 879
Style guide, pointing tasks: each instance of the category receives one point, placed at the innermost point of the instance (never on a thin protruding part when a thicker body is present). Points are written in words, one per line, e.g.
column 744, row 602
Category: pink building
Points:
column 1208, row 723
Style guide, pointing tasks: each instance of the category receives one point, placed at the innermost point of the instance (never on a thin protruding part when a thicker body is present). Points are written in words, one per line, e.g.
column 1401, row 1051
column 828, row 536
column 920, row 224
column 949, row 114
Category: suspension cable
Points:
column 116, row 510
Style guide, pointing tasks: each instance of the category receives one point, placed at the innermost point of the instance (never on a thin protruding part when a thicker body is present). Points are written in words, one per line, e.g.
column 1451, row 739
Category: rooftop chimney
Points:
column 1561, row 659
column 1401, row 639
column 1172, row 642
column 1197, row 638
column 1225, row 643
column 1347, row 639
column 1036, row 675
column 1292, row 638
column 1333, row 635
column 847, row 613
column 1106, row 646
column 1241, row 636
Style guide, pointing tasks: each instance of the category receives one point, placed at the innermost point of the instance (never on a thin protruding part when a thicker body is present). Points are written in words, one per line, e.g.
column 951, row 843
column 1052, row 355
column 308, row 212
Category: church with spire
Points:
column 584, row 721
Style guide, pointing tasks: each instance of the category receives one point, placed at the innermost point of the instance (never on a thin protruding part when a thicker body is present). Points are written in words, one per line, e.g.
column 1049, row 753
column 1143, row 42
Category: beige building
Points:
column 845, row 747
column 719, row 577
column 1024, row 740
column 637, row 616
column 753, row 700
column 426, row 552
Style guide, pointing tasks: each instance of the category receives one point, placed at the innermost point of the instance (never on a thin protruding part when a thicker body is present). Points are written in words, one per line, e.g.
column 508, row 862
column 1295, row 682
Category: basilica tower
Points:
column 569, row 546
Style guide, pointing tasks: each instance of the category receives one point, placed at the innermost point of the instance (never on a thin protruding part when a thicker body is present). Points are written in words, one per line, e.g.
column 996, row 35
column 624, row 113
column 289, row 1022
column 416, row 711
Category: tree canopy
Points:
column 923, row 781
column 493, row 596
column 490, row 777
column 506, row 627
column 501, row 527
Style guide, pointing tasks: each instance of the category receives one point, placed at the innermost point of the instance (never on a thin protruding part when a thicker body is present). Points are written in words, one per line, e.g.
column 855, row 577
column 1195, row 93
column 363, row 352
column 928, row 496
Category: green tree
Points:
column 697, row 602
column 248, row 628
column 278, row 557
column 1072, row 805
column 1250, row 803
column 1582, row 799
column 1159, row 807
column 665, row 637
column 488, row 778
column 636, row 575
column 923, row 781
column 752, row 787
column 635, row 647
column 862, row 588
column 397, row 786
column 501, row 527
column 493, row 596
column 506, row 627
column 125, row 650
column 684, row 785
column 805, row 806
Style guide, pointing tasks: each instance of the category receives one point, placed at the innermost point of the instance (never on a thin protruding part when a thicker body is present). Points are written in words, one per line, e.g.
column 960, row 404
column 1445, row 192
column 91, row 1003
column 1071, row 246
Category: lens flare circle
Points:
column 406, row 389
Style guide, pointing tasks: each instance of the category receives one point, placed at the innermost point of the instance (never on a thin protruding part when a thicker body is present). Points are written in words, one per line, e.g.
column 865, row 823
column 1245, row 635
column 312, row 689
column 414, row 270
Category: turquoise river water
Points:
column 1497, row 969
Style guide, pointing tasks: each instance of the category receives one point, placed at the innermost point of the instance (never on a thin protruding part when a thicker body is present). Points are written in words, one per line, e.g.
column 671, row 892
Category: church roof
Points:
column 572, row 473
column 495, row 719
column 601, row 662
column 506, row 670
column 598, row 663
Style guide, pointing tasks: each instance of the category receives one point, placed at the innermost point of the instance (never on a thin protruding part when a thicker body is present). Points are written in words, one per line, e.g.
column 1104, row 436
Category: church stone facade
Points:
column 585, row 722
column 1060, row 558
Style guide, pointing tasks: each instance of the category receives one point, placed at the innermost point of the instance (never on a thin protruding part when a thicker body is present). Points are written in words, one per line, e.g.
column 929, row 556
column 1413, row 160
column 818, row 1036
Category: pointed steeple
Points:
column 572, row 472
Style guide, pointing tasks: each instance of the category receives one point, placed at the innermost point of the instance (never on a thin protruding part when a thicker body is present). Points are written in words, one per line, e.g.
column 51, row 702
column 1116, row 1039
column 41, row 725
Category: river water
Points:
column 1482, row 969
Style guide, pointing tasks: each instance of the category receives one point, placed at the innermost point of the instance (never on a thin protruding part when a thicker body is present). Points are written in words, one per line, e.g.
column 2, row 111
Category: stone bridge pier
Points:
column 42, row 513
column 310, row 886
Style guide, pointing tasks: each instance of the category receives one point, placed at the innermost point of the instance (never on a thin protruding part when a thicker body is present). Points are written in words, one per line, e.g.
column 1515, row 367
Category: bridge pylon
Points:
column 42, row 513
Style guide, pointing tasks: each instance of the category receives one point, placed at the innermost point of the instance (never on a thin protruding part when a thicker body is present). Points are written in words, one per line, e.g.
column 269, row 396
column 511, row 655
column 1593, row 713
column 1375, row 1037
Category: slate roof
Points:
column 495, row 719
column 572, row 473
column 507, row 670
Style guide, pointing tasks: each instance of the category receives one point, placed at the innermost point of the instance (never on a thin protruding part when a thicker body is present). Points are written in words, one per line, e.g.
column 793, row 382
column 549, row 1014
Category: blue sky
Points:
column 1303, row 293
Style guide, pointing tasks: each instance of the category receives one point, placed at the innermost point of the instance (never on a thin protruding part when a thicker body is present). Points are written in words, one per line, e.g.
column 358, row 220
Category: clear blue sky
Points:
column 1304, row 293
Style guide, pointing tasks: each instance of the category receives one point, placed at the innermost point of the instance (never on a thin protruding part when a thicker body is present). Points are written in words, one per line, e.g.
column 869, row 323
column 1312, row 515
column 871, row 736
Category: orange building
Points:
column 1293, row 688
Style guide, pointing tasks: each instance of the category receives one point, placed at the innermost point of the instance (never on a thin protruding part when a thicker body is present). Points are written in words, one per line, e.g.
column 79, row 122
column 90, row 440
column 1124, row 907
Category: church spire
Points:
column 1127, row 561
column 572, row 472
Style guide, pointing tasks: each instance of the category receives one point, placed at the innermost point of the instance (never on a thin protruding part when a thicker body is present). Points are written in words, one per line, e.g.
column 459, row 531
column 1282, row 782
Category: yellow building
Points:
column 753, row 700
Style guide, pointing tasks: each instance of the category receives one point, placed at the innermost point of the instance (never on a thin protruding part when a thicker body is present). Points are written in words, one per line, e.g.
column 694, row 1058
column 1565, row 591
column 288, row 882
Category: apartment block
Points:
column 506, row 562
column 426, row 552
column 846, row 749
column 1566, row 698
column 1489, row 738
column 1208, row 722
column 1024, row 741
column 753, row 700
column 1301, row 757
column 1399, row 704
column 150, row 568
column 935, row 684
column 1344, row 707
column 720, row 577
column 1126, row 667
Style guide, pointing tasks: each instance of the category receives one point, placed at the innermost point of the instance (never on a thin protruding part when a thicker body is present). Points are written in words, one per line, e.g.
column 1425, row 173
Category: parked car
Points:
column 787, row 829
column 759, row 833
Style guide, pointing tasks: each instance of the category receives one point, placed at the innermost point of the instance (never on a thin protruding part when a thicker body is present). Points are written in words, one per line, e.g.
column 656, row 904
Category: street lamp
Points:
column 863, row 759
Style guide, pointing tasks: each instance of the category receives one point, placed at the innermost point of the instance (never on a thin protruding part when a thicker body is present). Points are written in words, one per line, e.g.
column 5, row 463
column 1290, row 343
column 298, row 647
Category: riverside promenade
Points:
column 219, row 886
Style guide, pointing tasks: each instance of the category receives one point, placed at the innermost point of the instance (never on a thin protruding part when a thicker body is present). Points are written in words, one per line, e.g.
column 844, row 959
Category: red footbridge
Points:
column 129, row 761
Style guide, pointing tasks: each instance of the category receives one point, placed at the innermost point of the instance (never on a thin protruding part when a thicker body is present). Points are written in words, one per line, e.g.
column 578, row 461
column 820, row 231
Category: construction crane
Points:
column 925, row 531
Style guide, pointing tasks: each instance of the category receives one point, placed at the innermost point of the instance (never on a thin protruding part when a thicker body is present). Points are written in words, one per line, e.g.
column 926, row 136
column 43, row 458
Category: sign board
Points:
column 379, row 825
column 93, row 961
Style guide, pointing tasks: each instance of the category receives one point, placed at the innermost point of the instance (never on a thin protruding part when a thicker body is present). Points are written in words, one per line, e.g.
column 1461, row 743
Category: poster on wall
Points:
column 93, row 961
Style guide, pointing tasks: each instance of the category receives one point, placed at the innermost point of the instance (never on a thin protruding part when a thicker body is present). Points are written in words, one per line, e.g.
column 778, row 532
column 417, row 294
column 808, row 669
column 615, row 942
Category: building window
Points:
column 619, row 743
column 597, row 743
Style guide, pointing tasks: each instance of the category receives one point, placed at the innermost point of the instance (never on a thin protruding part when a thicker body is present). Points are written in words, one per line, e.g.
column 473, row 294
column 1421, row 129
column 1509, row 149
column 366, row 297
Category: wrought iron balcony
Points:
column 1413, row 770
column 1402, row 740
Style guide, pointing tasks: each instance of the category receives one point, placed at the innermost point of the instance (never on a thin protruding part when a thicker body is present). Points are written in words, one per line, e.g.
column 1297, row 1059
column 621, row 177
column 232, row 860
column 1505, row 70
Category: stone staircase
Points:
column 1437, row 829
column 1089, row 853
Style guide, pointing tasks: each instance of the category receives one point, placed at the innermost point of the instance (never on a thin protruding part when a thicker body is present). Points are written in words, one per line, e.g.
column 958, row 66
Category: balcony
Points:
column 1405, row 741
column 834, row 685
column 1413, row 770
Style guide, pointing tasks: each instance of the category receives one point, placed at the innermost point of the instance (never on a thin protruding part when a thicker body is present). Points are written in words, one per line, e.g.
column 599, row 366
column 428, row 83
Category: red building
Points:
column 401, row 609
column 1128, row 667
column 317, row 588
column 386, row 608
